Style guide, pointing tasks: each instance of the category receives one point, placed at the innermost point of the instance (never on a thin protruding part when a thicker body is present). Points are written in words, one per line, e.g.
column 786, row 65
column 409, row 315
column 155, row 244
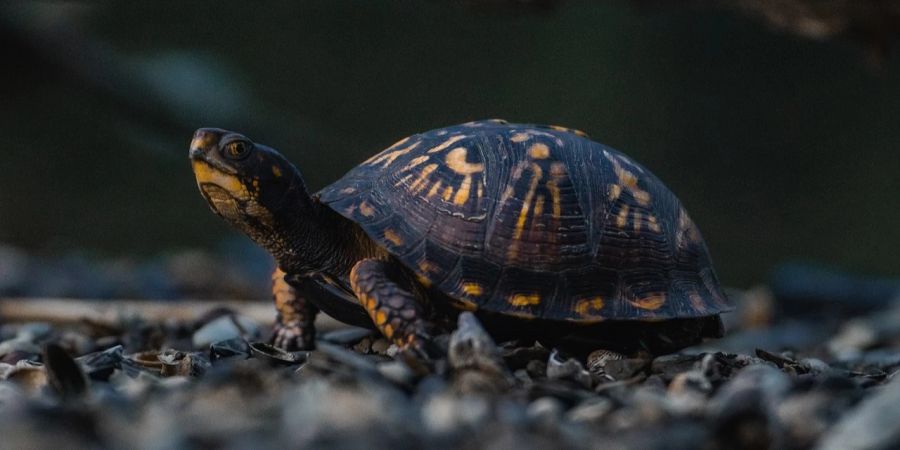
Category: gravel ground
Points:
column 805, row 371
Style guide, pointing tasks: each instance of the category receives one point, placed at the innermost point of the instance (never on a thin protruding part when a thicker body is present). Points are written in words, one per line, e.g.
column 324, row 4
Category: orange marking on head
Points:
column 520, row 137
column 446, row 144
column 524, row 299
column 393, row 237
column 456, row 161
column 539, row 150
column 472, row 288
column 588, row 307
column 209, row 174
column 622, row 218
column 651, row 303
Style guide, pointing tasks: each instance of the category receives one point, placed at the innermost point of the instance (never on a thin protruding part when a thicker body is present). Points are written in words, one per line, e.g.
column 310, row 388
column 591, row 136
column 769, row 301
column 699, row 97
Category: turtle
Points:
column 542, row 232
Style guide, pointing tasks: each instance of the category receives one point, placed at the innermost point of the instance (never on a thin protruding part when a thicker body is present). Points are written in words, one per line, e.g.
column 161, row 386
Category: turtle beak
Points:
column 203, row 141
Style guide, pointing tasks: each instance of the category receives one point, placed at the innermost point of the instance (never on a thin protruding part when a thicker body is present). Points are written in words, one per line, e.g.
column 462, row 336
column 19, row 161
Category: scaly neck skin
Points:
column 311, row 238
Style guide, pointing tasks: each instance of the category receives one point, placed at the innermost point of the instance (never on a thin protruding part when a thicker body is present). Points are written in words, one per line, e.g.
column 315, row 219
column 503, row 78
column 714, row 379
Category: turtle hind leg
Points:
column 294, row 329
column 393, row 309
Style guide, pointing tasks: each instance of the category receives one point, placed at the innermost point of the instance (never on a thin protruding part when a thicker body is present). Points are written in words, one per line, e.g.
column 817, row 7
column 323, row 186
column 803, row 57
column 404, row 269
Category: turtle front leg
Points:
column 294, row 329
column 394, row 310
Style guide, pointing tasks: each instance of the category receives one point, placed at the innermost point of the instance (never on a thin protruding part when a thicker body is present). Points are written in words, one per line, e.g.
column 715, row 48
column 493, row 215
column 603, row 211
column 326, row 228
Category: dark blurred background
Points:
column 777, row 126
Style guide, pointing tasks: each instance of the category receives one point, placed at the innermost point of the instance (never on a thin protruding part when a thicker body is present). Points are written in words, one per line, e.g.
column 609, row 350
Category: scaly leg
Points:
column 294, row 329
column 394, row 310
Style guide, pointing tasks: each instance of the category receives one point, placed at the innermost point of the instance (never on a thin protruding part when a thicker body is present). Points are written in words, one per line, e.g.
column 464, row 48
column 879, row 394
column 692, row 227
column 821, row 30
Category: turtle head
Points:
column 252, row 186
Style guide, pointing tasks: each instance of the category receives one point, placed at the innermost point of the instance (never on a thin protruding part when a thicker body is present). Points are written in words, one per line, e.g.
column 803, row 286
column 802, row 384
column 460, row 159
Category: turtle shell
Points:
column 533, row 221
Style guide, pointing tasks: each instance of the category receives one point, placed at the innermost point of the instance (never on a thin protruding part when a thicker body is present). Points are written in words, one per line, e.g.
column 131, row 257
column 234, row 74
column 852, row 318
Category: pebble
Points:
column 225, row 327
column 873, row 424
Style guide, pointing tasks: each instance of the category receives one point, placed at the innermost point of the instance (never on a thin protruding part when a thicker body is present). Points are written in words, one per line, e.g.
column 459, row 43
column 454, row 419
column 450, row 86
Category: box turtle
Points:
column 543, row 232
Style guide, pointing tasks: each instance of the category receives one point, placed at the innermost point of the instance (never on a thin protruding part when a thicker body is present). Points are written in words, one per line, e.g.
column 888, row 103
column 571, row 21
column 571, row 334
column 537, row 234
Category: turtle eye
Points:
column 237, row 149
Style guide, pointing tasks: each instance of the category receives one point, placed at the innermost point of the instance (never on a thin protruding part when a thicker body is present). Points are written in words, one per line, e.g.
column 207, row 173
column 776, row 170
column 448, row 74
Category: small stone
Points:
column 471, row 347
column 397, row 372
column 228, row 326
column 621, row 369
column 346, row 336
column 569, row 369
column 591, row 411
column 870, row 425
column 536, row 369
column 688, row 392
column 545, row 411
column 64, row 374
column 445, row 413
column 671, row 365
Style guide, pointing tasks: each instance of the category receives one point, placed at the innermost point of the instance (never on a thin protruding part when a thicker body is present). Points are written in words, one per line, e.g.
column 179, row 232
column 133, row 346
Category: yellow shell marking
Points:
column 526, row 203
column 622, row 218
column 422, row 180
column 387, row 157
column 539, row 206
column 366, row 210
column 423, row 280
column 520, row 137
column 587, row 307
column 614, row 191
column 539, row 151
column 392, row 236
column 448, row 192
column 456, row 161
column 569, row 130
column 629, row 181
column 446, row 144
column 416, row 161
column 276, row 171
column 653, row 225
column 434, row 189
column 651, row 303
column 524, row 299
column 637, row 221
column 462, row 195
column 473, row 289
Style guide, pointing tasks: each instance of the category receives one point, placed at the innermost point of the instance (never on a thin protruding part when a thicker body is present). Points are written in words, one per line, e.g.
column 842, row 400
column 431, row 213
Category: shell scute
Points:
column 532, row 221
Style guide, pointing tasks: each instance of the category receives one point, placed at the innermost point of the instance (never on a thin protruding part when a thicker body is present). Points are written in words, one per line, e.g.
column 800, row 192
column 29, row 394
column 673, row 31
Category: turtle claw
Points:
column 292, row 337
